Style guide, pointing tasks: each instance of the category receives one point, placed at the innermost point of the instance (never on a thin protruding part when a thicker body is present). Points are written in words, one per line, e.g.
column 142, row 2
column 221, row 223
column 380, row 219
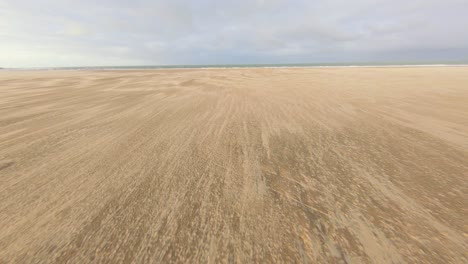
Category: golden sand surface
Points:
column 333, row 165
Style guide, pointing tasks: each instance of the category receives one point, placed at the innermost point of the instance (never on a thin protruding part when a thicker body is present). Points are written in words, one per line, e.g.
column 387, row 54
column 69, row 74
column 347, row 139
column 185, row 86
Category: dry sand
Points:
column 362, row 165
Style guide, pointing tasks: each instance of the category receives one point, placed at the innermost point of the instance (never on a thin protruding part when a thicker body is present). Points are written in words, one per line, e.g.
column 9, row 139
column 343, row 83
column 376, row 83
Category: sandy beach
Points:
column 336, row 165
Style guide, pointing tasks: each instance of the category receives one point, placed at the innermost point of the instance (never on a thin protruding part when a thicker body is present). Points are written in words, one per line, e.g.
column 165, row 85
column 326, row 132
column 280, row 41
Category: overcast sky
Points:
column 47, row 33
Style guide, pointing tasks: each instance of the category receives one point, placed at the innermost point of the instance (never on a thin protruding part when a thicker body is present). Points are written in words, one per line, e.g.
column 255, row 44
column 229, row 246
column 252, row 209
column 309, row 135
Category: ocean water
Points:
column 223, row 66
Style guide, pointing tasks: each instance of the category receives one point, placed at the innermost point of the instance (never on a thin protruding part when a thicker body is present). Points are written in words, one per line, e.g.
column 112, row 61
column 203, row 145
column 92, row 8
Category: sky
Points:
column 57, row 33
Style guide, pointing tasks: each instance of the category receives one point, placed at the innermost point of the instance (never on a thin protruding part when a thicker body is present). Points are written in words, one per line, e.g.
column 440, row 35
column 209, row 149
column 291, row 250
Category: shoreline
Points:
column 140, row 68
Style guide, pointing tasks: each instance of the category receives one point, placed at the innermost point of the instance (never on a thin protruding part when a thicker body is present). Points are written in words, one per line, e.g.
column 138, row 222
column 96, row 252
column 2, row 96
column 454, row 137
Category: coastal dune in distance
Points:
column 333, row 165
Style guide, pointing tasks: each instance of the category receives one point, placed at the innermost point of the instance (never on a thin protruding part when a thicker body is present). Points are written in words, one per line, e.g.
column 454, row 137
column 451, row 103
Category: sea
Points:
column 224, row 66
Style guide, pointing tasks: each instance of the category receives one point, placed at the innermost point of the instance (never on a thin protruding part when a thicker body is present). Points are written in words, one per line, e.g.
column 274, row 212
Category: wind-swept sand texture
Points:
column 364, row 165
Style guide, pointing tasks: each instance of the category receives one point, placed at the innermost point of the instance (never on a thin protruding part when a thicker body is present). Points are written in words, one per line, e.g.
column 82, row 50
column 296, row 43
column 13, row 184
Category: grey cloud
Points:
column 67, row 33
